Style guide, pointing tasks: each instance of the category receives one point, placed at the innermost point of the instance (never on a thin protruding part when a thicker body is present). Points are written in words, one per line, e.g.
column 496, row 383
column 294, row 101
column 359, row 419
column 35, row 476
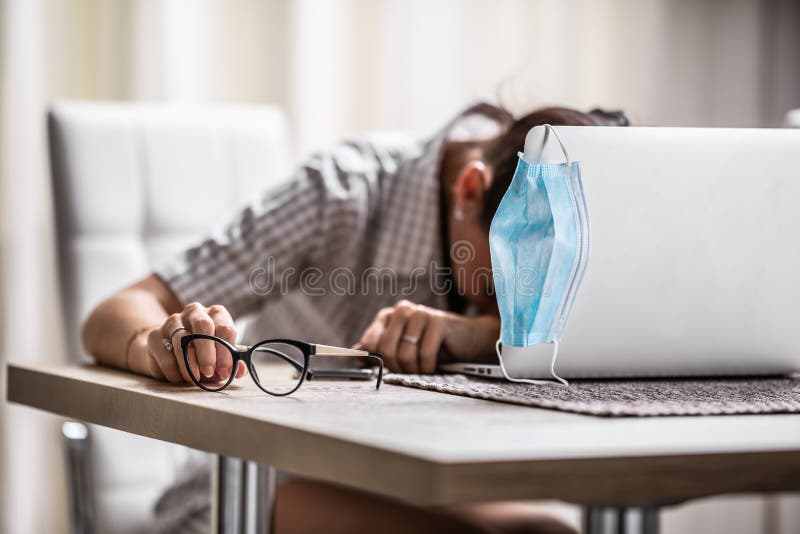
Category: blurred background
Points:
column 340, row 67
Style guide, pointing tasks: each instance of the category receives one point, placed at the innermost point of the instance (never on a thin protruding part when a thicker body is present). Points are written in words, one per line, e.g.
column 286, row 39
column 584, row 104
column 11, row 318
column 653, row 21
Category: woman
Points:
column 405, row 224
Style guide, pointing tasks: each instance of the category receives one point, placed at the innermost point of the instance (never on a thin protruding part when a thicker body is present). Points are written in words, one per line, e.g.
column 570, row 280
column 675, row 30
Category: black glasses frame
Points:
column 245, row 354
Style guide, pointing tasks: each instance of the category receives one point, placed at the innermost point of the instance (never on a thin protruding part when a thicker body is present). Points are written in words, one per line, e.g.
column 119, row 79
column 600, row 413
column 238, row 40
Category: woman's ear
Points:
column 471, row 183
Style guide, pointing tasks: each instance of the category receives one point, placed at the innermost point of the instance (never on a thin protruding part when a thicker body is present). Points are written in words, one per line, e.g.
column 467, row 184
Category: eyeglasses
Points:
column 278, row 366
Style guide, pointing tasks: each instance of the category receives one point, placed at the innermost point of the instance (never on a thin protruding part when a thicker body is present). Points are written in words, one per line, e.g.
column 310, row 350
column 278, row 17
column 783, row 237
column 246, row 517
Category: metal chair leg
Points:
column 265, row 482
column 620, row 520
column 79, row 476
column 226, row 488
column 243, row 497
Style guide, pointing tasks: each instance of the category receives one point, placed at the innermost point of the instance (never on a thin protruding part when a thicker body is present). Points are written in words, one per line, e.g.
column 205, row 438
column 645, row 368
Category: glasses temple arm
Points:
column 326, row 350
column 299, row 367
column 380, row 368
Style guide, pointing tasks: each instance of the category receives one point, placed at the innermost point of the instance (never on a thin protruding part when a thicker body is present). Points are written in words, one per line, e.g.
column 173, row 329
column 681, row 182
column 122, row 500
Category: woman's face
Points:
column 465, row 180
column 471, row 263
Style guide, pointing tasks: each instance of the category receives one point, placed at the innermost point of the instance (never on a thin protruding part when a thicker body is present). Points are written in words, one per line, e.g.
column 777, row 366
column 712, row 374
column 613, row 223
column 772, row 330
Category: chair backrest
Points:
column 134, row 184
column 792, row 119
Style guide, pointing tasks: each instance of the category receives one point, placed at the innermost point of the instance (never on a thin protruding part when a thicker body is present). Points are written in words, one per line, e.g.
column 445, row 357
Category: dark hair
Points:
column 501, row 155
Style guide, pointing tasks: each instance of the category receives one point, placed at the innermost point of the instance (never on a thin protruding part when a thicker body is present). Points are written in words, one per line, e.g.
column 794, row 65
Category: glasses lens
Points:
column 277, row 367
column 204, row 350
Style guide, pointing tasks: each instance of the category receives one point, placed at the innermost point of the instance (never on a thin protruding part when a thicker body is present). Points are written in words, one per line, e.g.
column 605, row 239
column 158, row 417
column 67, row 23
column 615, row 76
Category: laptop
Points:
column 695, row 255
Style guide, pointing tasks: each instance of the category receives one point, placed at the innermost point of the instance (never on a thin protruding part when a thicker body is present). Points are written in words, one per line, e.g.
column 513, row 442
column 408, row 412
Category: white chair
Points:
column 134, row 184
column 792, row 119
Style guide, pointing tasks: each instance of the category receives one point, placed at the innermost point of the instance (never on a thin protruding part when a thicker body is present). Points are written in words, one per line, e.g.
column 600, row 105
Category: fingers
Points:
column 408, row 351
column 389, row 332
column 394, row 330
column 175, row 327
column 372, row 335
column 225, row 329
column 207, row 359
column 165, row 361
column 431, row 342
column 196, row 318
column 395, row 325
column 241, row 370
column 390, row 339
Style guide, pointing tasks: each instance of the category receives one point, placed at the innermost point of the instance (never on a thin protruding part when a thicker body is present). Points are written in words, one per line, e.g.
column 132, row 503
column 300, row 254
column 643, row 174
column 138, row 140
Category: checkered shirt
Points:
column 363, row 218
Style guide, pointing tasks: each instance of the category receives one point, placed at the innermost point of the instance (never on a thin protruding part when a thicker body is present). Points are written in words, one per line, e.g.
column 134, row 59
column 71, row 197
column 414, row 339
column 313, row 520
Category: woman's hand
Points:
column 411, row 336
column 204, row 359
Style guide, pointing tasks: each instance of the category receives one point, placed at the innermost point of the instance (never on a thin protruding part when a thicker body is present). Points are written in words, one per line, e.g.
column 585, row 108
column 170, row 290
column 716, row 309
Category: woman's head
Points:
column 475, row 176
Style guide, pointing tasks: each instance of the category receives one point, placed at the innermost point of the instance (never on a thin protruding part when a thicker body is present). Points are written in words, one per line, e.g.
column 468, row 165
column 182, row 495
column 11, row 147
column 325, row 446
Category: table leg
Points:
column 243, row 496
column 620, row 520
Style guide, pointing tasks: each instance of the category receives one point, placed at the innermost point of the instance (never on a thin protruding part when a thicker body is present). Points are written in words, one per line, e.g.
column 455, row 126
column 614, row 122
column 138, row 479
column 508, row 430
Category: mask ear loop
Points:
column 561, row 381
column 550, row 130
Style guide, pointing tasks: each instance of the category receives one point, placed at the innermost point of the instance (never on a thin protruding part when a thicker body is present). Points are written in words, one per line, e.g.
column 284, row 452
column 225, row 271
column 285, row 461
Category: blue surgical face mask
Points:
column 539, row 242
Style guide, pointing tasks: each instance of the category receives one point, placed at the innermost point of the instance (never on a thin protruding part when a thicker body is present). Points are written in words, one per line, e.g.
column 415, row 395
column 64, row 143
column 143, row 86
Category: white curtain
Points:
column 338, row 68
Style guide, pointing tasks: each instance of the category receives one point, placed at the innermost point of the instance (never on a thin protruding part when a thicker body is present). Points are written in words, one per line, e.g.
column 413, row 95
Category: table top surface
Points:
column 432, row 448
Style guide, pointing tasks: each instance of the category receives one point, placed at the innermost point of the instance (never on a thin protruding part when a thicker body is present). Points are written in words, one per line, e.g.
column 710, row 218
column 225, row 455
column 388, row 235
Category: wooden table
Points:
column 430, row 449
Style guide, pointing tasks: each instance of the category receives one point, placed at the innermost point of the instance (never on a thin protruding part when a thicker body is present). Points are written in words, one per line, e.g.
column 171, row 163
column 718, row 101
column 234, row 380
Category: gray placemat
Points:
column 715, row 396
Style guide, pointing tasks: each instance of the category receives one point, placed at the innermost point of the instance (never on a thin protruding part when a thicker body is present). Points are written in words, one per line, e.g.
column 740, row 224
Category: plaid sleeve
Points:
column 321, row 213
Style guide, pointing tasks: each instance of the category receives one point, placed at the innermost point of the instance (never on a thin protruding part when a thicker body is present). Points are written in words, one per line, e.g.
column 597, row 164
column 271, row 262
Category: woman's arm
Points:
column 120, row 323
column 127, row 331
